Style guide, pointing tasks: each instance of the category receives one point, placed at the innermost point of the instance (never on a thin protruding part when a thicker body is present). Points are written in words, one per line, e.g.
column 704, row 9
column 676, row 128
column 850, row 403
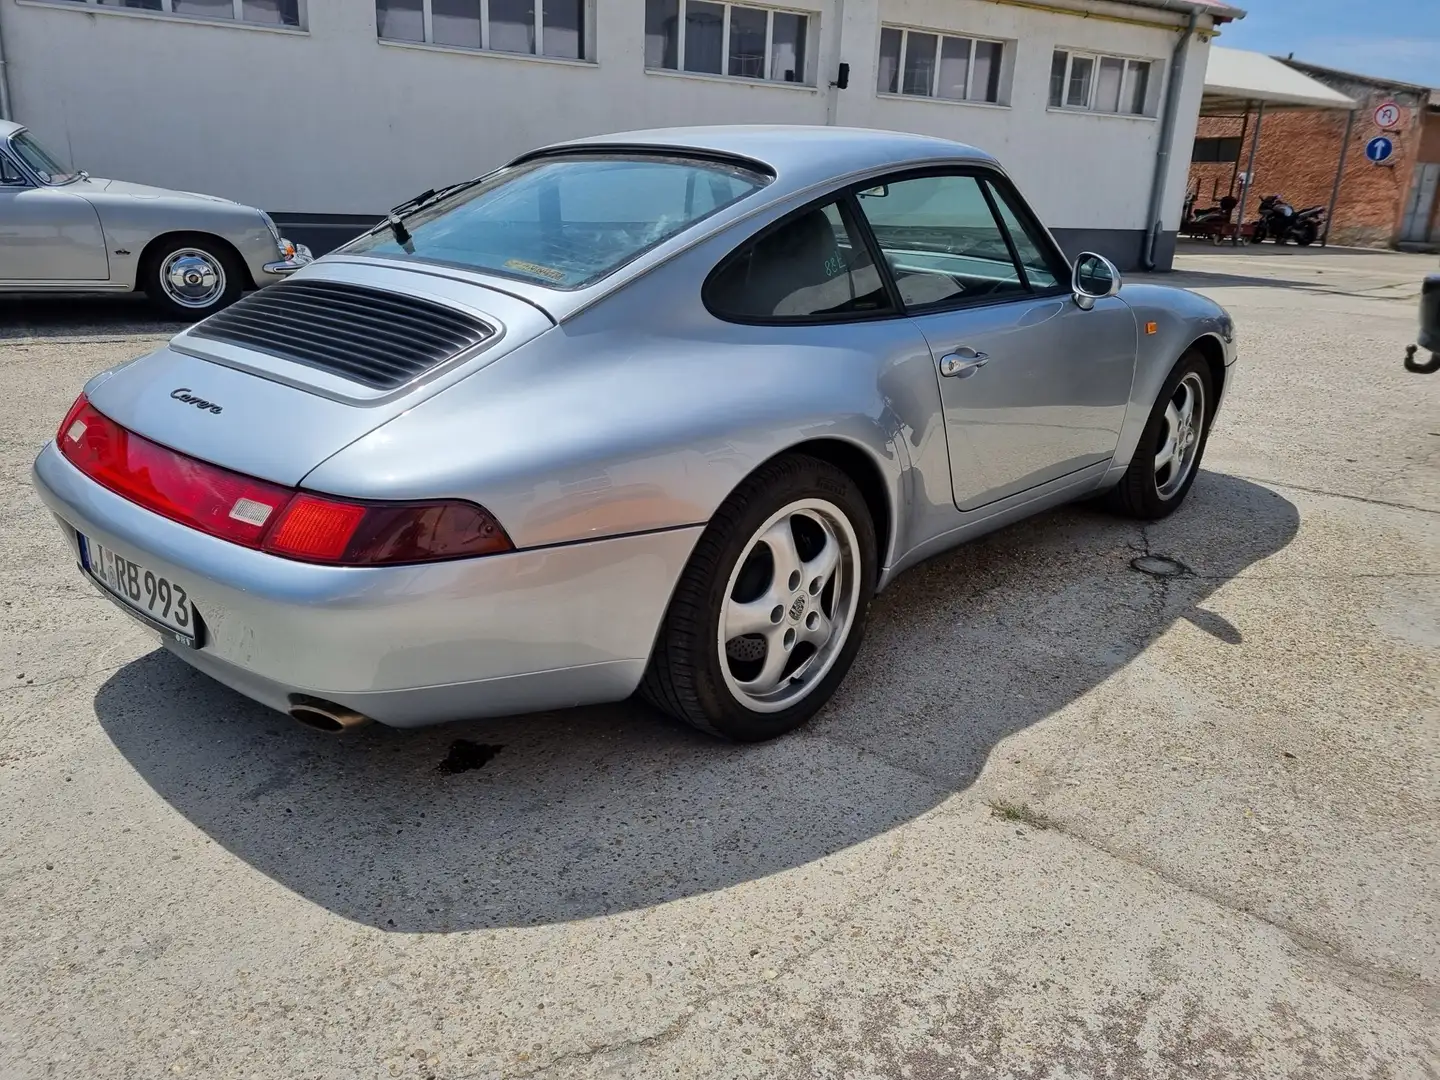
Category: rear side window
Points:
column 941, row 240
column 808, row 268
column 566, row 222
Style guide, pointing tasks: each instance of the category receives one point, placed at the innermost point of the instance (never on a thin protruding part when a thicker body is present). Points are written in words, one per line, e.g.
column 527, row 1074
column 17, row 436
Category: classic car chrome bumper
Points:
column 533, row 629
column 298, row 255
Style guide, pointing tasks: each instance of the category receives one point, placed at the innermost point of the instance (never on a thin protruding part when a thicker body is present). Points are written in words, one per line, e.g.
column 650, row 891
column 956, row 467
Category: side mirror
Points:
column 1095, row 278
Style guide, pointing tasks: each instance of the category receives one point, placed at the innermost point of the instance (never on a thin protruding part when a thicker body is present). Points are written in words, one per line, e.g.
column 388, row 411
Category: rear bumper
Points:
column 538, row 629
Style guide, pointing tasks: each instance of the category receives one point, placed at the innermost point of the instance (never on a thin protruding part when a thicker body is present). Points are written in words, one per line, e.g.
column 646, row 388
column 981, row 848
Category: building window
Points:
column 1224, row 150
column 261, row 12
column 554, row 28
column 726, row 39
column 938, row 65
column 1107, row 84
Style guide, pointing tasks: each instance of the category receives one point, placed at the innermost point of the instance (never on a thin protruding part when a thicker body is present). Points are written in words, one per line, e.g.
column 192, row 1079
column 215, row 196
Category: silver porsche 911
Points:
column 652, row 412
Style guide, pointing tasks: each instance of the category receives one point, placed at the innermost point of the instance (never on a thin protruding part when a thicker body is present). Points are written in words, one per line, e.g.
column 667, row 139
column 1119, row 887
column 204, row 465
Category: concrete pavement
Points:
column 1066, row 818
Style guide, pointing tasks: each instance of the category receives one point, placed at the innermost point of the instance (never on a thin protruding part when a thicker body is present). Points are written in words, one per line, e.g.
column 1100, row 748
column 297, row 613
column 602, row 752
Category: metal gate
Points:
column 1420, row 206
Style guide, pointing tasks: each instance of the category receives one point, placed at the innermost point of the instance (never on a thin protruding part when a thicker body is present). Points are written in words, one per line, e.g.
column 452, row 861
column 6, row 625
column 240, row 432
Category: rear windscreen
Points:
column 565, row 222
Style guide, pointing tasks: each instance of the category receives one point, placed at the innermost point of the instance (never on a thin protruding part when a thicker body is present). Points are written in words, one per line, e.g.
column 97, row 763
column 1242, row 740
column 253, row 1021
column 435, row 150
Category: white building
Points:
column 327, row 112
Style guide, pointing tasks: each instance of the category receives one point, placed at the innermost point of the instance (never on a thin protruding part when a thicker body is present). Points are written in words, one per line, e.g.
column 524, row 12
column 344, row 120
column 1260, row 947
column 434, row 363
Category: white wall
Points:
column 332, row 121
column 1078, row 170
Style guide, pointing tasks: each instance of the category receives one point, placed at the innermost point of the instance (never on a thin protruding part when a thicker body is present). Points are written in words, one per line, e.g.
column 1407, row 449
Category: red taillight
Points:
column 258, row 514
column 213, row 500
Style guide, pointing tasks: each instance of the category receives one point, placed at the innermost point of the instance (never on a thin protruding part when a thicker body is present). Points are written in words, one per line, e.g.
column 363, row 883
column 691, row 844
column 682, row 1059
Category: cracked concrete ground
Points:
column 1226, row 865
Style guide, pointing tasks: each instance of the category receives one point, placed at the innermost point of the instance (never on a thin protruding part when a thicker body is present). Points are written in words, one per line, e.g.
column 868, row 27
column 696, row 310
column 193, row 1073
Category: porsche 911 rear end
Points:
column 179, row 481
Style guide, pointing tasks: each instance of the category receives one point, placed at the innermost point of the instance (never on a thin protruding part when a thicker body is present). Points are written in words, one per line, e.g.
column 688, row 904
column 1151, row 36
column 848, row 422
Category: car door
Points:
column 1033, row 388
column 47, row 234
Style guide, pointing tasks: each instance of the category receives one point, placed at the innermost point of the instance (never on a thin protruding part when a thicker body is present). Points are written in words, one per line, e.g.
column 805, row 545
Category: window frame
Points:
column 993, row 184
column 1218, row 143
column 166, row 10
column 812, row 19
column 1097, row 58
column 427, row 17
column 22, row 175
column 940, row 37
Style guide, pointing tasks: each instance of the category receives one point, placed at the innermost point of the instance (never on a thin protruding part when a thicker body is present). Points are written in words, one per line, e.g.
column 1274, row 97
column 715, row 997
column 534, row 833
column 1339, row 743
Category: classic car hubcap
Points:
column 1184, row 421
column 192, row 278
column 789, row 605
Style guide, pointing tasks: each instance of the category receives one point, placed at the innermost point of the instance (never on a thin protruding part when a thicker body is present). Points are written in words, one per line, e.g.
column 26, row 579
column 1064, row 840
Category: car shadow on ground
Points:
column 593, row 811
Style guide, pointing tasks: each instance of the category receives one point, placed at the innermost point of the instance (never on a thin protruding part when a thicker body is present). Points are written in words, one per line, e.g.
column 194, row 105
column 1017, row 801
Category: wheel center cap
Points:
column 797, row 608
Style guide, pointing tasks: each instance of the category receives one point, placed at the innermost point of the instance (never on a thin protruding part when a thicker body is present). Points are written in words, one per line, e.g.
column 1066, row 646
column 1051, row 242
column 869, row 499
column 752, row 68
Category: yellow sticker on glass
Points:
column 535, row 268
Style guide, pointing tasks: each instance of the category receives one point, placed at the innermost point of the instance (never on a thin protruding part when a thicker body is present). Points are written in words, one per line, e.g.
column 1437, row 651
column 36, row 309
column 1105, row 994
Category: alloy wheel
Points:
column 1184, row 424
column 789, row 605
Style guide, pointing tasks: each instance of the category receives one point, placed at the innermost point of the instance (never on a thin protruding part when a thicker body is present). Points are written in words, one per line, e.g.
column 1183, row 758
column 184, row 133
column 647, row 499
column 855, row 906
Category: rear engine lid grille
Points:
column 378, row 338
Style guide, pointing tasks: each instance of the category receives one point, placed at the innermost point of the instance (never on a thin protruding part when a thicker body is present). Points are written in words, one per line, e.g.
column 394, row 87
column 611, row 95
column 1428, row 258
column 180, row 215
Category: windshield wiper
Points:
column 397, row 214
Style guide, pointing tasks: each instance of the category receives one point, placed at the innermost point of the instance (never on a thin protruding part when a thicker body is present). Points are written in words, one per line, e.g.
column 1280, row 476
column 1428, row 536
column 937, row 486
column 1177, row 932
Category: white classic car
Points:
column 67, row 231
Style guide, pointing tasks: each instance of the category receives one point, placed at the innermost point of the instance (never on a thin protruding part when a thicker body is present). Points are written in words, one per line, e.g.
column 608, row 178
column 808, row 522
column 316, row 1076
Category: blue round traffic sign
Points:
column 1379, row 148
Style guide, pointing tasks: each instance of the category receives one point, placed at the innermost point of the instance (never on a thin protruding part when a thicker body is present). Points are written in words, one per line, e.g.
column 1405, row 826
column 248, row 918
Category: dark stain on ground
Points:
column 465, row 755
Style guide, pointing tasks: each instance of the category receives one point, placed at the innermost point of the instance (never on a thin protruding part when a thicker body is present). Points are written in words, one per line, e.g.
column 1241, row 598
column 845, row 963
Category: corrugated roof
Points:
column 1235, row 78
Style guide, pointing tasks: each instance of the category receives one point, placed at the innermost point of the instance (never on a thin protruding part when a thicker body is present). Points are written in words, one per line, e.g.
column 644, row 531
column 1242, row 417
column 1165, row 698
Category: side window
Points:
column 941, row 241
column 811, row 266
column 1038, row 259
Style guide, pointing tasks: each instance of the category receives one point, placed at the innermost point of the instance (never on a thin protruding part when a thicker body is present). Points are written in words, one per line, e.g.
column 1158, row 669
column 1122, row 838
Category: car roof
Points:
column 9, row 127
column 798, row 155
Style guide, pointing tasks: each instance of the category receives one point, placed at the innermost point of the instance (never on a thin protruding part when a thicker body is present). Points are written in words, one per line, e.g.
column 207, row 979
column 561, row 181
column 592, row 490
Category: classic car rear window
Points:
column 565, row 222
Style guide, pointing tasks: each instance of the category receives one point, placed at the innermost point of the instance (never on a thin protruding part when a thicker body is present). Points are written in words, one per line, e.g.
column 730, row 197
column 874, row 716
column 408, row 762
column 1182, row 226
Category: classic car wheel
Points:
column 770, row 611
column 1168, row 456
column 191, row 277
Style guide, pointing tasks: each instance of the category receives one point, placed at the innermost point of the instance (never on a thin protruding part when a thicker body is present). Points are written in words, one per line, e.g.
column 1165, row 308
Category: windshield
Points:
column 41, row 164
column 565, row 222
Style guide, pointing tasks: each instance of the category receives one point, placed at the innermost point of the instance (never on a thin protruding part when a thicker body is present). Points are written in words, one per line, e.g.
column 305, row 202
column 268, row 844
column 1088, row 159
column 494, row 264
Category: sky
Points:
column 1395, row 39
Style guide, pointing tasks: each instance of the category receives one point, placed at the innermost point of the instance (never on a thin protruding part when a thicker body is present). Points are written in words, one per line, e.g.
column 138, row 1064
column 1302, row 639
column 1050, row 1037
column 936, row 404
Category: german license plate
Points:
column 160, row 602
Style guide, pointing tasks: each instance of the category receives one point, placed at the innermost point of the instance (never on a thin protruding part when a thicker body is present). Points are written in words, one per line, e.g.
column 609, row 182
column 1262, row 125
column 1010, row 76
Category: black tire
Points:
column 684, row 677
column 236, row 277
column 1138, row 493
column 1307, row 236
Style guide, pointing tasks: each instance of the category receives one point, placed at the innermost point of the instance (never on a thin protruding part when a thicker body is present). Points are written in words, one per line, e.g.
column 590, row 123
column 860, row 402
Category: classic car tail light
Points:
column 258, row 514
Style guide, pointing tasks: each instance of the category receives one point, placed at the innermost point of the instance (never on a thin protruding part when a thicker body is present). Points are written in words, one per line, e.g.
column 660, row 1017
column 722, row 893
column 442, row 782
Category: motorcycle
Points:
column 1279, row 221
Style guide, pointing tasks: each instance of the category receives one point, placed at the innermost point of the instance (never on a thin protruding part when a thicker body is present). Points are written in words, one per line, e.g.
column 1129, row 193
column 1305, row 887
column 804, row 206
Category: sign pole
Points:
column 1339, row 172
column 1249, row 175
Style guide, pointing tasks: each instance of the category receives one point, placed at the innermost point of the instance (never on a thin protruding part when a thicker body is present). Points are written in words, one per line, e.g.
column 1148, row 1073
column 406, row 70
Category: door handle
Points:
column 963, row 362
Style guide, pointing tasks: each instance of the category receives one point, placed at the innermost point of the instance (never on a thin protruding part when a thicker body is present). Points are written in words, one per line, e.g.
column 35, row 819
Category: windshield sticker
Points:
column 535, row 268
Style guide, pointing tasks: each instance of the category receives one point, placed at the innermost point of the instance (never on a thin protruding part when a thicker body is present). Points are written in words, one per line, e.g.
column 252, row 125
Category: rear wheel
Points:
column 1168, row 455
column 192, row 276
column 770, row 611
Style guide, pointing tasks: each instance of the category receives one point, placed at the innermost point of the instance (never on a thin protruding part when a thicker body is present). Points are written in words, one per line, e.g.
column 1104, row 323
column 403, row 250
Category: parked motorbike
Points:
column 1281, row 222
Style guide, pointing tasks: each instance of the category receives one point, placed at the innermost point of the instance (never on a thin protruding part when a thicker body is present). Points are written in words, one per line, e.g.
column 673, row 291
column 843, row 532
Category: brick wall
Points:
column 1298, row 154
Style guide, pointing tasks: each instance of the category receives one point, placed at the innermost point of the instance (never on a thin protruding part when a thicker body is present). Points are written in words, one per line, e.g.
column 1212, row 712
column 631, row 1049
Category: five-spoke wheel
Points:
column 769, row 613
column 1168, row 456
column 789, row 604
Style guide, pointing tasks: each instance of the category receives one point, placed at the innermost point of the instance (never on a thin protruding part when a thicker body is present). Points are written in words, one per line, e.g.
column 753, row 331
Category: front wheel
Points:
column 1168, row 455
column 190, row 277
column 769, row 613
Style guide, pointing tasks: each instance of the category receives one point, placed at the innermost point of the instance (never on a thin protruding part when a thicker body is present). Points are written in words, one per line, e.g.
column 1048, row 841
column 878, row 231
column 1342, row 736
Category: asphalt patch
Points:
column 1159, row 566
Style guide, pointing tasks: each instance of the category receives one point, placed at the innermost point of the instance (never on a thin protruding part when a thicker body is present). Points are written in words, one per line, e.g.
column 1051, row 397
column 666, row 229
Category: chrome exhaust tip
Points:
column 326, row 715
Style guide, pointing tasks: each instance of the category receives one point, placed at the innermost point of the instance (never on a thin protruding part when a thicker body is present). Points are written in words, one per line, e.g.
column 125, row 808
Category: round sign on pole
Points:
column 1379, row 149
column 1387, row 115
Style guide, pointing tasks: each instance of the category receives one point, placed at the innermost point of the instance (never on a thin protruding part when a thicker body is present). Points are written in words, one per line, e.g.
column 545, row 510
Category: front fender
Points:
column 130, row 223
column 1180, row 318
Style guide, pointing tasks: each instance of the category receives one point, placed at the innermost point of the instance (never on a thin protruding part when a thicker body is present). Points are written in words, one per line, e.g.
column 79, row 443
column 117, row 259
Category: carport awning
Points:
column 1236, row 80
